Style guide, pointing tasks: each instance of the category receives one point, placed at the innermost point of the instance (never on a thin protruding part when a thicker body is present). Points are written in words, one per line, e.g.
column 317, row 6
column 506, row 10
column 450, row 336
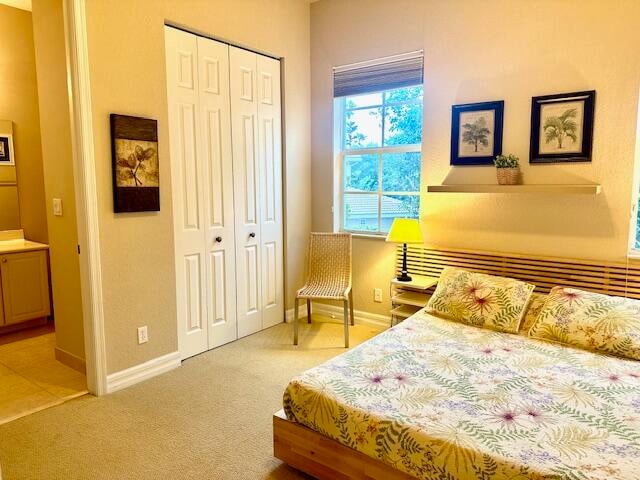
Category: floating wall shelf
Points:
column 583, row 189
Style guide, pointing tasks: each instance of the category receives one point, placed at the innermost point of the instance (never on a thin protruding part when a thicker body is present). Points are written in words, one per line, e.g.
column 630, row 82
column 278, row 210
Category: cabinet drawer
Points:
column 25, row 286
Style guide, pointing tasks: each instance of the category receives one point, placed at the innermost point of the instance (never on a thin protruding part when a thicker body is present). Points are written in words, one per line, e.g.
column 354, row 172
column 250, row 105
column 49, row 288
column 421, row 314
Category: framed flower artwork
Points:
column 134, row 147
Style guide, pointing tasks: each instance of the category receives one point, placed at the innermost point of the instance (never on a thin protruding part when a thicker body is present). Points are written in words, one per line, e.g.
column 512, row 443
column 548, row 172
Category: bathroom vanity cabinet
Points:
column 24, row 283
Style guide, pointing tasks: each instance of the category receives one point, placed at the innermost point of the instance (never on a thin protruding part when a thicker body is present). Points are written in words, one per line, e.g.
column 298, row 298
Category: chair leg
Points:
column 351, row 307
column 308, row 310
column 295, row 322
column 346, row 324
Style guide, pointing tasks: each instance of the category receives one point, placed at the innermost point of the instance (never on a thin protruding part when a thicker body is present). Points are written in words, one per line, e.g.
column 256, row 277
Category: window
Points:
column 636, row 224
column 634, row 231
column 380, row 141
column 634, row 250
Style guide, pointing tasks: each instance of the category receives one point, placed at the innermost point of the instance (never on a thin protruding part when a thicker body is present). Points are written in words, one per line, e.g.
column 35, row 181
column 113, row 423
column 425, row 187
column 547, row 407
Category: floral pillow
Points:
column 535, row 305
column 482, row 300
column 590, row 320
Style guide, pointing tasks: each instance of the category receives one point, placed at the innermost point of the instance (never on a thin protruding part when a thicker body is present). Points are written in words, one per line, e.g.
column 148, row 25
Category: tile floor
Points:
column 31, row 379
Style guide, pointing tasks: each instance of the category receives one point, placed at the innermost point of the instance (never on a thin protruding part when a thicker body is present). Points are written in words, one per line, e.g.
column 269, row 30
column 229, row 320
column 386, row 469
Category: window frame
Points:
column 633, row 252
column 340, row 152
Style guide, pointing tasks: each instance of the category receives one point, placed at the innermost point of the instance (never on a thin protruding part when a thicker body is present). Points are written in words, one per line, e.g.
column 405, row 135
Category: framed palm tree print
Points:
column 562, row 127
column 476, row 133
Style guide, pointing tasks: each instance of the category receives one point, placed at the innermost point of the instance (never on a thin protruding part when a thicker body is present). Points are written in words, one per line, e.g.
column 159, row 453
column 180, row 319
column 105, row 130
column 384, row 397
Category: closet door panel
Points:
column 187, row 185
column 270, row 188
column 194, row 290
column 247, row 194
column 226, row 170
column 215, row 149
column 247, row 168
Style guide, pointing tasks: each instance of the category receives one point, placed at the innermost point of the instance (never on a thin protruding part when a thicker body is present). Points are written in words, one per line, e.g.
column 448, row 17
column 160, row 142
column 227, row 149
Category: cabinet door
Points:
column 2, row 322
column 25, row 286
column 246, row 194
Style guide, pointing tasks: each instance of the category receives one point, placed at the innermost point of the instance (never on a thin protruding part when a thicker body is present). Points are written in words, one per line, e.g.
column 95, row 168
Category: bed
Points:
column 435, row 399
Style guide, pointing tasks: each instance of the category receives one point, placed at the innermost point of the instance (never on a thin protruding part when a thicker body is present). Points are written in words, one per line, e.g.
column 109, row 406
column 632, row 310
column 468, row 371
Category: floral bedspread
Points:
column 442, row 400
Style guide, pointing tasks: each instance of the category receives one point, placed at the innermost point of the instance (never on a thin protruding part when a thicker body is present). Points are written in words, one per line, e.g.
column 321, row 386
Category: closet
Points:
column 226, row 176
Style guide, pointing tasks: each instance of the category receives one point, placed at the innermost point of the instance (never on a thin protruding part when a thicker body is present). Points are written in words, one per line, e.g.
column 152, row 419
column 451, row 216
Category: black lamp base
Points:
column 403, row 277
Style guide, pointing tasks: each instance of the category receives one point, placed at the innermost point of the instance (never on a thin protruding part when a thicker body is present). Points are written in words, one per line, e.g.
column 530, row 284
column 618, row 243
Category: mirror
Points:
column 9, row 207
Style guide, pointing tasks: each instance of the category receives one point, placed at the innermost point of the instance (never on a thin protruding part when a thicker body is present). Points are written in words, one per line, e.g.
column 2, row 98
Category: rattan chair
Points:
column 328, row 278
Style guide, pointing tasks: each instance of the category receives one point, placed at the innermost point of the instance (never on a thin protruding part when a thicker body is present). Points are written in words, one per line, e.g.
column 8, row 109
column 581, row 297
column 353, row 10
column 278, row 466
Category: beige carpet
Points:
column 208, row 419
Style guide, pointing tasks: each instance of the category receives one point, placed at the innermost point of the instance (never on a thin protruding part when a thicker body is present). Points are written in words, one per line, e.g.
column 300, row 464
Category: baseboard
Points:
column 144, row 371
column 71, row 360
column 360, row 316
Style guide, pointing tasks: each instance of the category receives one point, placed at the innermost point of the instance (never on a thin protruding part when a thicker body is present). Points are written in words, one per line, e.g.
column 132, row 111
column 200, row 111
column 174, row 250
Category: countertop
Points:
column 20, row 245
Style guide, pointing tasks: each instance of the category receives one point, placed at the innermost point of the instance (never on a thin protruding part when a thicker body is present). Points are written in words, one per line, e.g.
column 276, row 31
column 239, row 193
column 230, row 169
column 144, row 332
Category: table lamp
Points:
column 405, row 230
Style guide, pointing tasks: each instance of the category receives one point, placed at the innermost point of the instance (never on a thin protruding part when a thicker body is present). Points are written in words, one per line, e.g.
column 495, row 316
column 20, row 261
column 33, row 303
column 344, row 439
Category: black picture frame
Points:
column 135, row 164
column 6, row 150
column 492, row 149
column 580, row 137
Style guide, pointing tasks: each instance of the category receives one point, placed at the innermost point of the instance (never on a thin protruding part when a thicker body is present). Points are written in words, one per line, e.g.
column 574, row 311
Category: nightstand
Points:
column 409, row 297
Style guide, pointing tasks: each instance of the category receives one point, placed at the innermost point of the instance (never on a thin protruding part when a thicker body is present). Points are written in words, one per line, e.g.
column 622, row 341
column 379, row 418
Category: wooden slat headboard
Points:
column 618, row 279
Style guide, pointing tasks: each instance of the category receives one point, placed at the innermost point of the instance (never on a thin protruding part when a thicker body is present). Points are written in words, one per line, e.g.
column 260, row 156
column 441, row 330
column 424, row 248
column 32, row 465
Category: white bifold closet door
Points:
column 226, row 182
column 255, row 106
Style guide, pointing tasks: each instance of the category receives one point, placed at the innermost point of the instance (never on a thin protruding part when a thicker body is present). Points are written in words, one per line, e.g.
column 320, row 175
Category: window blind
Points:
column 386, row 73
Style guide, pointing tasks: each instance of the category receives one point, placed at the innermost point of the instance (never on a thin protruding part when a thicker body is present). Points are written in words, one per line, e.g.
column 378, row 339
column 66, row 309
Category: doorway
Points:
column 42, row 355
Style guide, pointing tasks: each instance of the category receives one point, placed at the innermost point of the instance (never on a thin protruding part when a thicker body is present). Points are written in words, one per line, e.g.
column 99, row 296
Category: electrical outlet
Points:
column 143, row 335
column 377, row 295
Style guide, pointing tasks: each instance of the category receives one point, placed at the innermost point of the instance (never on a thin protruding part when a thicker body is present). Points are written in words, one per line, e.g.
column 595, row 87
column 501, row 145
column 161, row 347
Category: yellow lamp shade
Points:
column 405, row 230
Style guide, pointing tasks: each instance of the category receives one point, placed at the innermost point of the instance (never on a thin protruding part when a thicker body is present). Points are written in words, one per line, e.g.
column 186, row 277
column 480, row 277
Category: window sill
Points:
column 370, row 236
column 633, row 255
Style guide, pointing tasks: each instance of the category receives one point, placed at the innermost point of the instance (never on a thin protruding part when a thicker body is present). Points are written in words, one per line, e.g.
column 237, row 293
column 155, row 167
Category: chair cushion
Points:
column 592, row 321
column 482, row 300
column 336, row 291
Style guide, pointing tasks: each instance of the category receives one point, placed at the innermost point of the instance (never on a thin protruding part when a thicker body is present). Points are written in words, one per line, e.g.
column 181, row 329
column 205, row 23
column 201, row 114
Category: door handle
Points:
column 218, row 239
column 252, row 234
column 4, row 260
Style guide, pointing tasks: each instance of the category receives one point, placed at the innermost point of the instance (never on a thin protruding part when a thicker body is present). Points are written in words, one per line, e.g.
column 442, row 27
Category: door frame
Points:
column 86, row 195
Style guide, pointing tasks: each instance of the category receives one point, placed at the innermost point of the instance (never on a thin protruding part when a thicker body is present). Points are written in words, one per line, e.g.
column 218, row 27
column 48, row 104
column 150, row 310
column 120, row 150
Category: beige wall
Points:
column 126, row 48
column 19, row 104
column 48, row 30
column 491, row 50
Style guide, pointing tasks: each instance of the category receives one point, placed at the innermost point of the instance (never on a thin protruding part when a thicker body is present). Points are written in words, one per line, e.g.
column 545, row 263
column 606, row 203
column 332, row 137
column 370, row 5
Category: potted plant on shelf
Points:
column 508, row 169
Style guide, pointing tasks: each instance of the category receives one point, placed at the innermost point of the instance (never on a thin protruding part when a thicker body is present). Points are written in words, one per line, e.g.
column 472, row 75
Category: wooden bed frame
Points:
column 324, row 458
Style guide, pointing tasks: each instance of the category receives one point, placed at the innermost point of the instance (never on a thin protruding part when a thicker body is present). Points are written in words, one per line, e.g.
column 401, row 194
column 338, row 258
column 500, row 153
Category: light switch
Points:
column 57, row 207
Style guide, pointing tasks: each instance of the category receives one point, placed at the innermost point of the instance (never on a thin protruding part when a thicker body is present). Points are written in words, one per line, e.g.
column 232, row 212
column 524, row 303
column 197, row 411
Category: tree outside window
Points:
column 381, row 158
